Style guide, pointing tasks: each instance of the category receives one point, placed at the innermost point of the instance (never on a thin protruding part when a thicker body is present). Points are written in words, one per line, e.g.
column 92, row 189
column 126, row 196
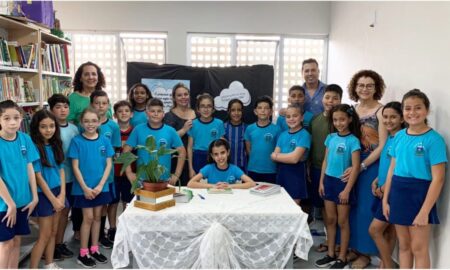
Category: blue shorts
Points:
column 44, row 208
column 20, row 228
column 69, row 195
column 333, row 187
column 199, row 160
column 113, row 193
column 263, row 177
column 103, row 198
column 377, row 209
column 123, row 189
column 406, row 199
column 313, row 187
column 293, row 178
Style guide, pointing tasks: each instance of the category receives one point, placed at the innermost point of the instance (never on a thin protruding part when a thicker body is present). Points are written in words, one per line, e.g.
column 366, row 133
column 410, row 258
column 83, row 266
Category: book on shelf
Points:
column 5, row 56
column 16, row 88
column 55, row 58
column 55, row 85
column 13, row 54
column 265, row 189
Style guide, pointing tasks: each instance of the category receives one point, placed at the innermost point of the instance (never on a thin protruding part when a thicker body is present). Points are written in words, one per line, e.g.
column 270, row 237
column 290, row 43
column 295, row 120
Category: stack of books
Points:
column 265, row 189
column 13, row 54
column 16, row 88
column 55, row 58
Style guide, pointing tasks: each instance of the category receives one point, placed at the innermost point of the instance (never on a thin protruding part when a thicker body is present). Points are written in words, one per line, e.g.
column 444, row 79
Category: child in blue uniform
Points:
column 50, row 179
column 219, row 173
column 138, row 96
column 91, row 155
column 18, row 195
column 291, row 152
column 234, row 133
column 414, row 181
column 205, row 129
column 382, row 232
column 59, row 106
column 111, row 130
column 164, row 135
column 342, row 151
column 260, row 141
column 296, row 96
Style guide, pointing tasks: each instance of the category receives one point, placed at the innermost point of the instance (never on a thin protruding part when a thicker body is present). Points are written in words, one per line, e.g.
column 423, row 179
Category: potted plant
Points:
column 148, row 175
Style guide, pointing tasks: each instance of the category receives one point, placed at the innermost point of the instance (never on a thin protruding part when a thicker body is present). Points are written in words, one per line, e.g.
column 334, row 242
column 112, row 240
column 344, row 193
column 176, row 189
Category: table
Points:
column 238, row 230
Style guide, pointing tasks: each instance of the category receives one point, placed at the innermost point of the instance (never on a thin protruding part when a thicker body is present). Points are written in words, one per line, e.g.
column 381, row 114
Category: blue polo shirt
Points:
column 215, row 175
column 263, row 140
column 340, row 149
column 314, row 103
column 139, row 117
column 204, row 133
column 288, row 142
column 50, row 174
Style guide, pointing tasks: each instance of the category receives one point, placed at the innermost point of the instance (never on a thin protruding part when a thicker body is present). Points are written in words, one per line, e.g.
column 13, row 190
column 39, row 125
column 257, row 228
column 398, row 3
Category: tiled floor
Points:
column 74, row 246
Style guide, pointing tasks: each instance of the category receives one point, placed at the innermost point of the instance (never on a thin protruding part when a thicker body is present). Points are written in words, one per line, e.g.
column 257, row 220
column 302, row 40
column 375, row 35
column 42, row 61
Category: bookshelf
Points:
column 34, row 63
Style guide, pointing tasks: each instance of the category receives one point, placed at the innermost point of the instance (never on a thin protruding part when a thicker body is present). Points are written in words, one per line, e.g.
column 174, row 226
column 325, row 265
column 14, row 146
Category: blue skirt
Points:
column 293, row 178
column 102, row 199
column 313, row 187
column 360, row 214
column 406, row 198
column 377, row 209
column 263, row 177
column 199, row 160
column 44, row 208
column 332, row 187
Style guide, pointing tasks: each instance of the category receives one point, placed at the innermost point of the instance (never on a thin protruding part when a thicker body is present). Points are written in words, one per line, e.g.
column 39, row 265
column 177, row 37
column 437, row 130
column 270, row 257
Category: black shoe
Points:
column 57, row 256
column 339, row 264
column 325, row 261
column 86, row 261
column 99, row 257
column 111, row 234
column 65, row 252
column 106, row 243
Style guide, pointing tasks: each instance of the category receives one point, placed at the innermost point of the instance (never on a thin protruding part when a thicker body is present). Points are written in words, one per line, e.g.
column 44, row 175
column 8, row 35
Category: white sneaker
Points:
column 52, row 265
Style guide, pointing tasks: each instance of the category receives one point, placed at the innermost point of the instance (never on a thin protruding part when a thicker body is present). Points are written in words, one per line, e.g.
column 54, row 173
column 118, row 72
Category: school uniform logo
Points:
column 108, row 135
column 102, row 151
column 268, row 137
column 231, row 179
column 340, row 149
column 419, row 149
column 388, row 152
column 214, row 133
column 162, row 142
column 23, row 150
column 292, row 144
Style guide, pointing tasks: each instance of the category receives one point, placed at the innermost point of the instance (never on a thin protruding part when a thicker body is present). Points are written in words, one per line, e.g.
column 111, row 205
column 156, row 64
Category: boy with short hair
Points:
column 109, row 129
column 163, row 134
column 59, row 106
column 260, row 141
column 123, row 112
column 296, row 96
column 320, row 129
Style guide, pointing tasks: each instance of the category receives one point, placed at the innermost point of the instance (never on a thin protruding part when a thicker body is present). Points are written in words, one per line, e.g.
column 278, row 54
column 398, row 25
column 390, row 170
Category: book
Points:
column 220, row 191
column 184, row 196
column 265, row 189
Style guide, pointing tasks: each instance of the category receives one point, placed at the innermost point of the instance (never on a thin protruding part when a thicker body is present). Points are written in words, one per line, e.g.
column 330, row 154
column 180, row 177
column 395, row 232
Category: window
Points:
column 286, row 54
column 112, row 51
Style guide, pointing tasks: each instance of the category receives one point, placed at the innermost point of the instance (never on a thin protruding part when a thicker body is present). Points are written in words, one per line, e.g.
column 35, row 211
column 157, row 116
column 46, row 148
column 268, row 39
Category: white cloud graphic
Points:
column 235, row 90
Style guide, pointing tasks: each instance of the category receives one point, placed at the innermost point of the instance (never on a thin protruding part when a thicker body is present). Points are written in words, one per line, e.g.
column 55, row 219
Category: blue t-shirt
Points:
column 204, row 133
column 215, row 175
column 165, row 135
column 340, row 149
column 263, row 141
column 14, row 158
column 67, row 133
column 385, row 161
column 235, row 136
column 416, row 154
column 111, row 130
column 50, row 174
column 288, row 142
column 139, row 117
column 307, row 117
column 91, row 155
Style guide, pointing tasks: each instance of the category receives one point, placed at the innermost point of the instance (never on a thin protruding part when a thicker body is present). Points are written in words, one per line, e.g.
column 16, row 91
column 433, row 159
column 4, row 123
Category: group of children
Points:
column 63, row 166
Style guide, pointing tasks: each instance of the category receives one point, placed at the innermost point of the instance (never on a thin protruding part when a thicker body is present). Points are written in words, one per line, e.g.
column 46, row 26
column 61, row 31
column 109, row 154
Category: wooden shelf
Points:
column 55, row 74
column 49, row 38
column 10, row 24
column 17, row 69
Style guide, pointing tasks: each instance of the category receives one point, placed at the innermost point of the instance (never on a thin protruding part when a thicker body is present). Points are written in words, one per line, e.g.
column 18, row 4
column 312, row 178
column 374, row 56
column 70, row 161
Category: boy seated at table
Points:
column 219, row 172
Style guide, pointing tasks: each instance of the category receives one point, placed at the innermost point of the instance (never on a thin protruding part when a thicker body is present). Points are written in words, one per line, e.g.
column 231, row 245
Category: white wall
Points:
column 410, row 47
column 179, row 18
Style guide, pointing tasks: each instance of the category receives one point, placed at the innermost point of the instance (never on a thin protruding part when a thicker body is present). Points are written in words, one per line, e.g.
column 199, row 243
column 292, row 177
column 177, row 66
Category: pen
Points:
column 201, row 197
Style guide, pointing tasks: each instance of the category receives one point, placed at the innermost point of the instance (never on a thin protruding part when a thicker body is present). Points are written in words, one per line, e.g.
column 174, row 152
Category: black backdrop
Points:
column 257, row 79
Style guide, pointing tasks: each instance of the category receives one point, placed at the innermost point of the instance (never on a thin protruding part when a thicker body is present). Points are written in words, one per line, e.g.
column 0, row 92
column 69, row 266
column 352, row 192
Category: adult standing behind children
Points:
column 87, row 79
column 180, row 118
column 313, row 86
column 366, row 87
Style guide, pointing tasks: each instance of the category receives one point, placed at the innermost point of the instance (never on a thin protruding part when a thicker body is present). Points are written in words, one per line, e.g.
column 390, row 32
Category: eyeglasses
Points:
column 369, row 86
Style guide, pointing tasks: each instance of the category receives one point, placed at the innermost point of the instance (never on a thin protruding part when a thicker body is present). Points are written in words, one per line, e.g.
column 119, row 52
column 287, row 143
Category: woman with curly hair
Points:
column 366, row 88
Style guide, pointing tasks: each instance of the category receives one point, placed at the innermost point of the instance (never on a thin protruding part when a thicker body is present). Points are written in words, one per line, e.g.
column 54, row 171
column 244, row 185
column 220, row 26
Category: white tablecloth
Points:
column 238, row 230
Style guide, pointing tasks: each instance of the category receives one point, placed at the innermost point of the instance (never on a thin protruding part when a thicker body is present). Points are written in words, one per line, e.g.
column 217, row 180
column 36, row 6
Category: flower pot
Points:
column 154, row 187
